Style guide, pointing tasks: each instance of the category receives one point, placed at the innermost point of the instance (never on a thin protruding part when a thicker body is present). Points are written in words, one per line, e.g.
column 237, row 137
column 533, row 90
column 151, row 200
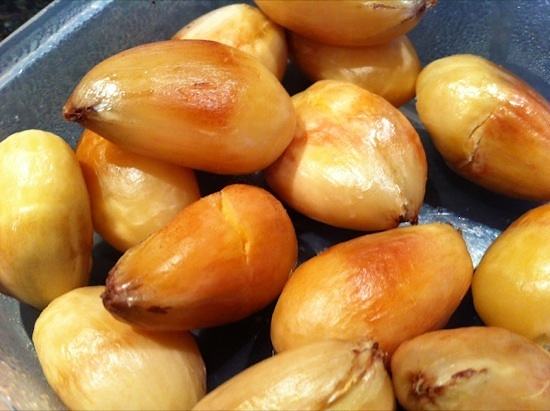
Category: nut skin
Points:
column 246, row 28
column 355, row 161
column 46, row 231
column 197, row 103
column 325, row 375
column 389, row 69
column 488, row 125
column 131, row 195
column 511, row 285
column 219, row 260
column 389, row 286
column 347, row 22
column 95, row 362
column 482, row 368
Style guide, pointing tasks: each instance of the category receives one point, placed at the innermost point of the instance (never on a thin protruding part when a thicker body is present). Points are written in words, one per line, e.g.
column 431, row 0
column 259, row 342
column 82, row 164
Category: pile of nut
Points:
column 360, row 325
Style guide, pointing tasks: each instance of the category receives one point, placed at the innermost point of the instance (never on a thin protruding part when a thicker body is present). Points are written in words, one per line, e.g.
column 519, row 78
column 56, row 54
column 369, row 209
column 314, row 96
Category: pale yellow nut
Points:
column 46, row 231
column 246, row 28
column 471, row 368
column 131, row 195
column 489, row 125
column 95, row 362
column 219, row 260
column 511, row 285
column 390, row 286
column 197, row 103
column 355, row 161
column 326, row 375
column 389, row 69
column 347, row 22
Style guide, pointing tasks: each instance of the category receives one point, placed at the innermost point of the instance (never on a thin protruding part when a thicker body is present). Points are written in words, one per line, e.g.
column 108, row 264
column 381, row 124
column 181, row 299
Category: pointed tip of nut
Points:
column 77, row 114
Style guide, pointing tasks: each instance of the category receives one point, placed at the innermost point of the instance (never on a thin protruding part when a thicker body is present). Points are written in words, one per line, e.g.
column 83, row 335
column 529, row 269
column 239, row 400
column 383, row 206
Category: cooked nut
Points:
column 131, row 195
column 511, row 285
column 389, row 286
column 46, row 231
column 389, row 69
column 489, row 125
column 326, row 375
column 481, row 368
column 246, row 28
column 95, row 362
column 355, row 161
column 219, row 260
column 347, row 22
column 196, row 103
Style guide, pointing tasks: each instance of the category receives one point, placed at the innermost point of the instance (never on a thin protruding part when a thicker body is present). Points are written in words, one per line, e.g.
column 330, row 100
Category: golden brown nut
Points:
column 325, row 375
column 131, row 195
column 481, row 368
column 196, row 103
column 347, row 22
column 389, row 286
column 511, row 285
column 246, row 28
column 219, row 260
column 489, row 125
column 95, row 362
column 389, row 69
column 355, row 162
column 46, row 231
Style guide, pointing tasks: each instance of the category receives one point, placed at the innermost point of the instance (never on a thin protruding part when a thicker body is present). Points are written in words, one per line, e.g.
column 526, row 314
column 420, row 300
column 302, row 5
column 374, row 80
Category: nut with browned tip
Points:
column 219, row 260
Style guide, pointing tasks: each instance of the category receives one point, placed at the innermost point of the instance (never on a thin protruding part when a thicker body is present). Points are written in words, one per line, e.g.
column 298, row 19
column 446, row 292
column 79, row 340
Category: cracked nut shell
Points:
column 219, row 260
column 489, row 125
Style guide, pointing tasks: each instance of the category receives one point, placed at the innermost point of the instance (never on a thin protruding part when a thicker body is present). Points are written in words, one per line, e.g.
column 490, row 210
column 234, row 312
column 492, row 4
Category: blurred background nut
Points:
column 389, row 286
column 131, row 195
column 46, row 230
column 471, row 368
column 489, row 125
column 95, row 362
column 511, row 285
column 325, row 375
column 197, row 103
column 347, row 22
column 389, row 69
column 245, row 27
column 221, row 259
column 355, row 161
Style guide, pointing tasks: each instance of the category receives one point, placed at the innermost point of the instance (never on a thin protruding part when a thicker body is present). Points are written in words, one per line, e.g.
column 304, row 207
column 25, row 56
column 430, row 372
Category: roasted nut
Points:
column 326, row 375
column 471, row 368
column 347, row 22
column 46, row 231
column 95, row 362
column 511, row 285
column 219, row 260
column 490, row 126
column 355, row 161
column 196, row 103
column 246, row 28
column 389, row 69
column 389, row 286
column 131, row 195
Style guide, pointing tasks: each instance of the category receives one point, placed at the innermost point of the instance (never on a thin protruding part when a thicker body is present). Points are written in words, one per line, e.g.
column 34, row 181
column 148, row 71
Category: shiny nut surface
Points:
column 389, row 286
column 45, row 219
column 131, row 195
column 93, row 361
column 219, row 260
column 196, row 103
column 355, row 161
column 489, row 125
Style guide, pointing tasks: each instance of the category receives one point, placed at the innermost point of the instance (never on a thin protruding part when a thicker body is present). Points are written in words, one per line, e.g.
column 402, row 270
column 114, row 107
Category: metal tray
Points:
column 42, row 62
